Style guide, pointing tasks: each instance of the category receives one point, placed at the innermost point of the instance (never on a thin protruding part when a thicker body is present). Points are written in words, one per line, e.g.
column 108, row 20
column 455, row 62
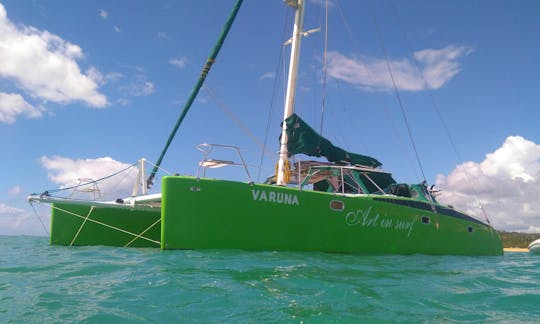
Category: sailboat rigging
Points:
column 347, row 204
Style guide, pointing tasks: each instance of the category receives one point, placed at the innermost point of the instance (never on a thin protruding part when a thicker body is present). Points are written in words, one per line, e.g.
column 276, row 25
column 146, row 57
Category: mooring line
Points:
column 106, row 225
column 140, row 235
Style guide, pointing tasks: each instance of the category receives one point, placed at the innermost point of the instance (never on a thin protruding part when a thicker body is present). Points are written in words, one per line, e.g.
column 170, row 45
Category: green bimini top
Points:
column 302, row 139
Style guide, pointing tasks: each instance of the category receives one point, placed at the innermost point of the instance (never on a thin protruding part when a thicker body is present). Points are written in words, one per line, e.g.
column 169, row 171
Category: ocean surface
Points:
column 43, row 283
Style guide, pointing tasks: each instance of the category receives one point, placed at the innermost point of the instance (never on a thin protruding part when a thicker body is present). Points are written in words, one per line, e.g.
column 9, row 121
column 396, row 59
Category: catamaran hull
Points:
column 216, row 214
column 76, row 224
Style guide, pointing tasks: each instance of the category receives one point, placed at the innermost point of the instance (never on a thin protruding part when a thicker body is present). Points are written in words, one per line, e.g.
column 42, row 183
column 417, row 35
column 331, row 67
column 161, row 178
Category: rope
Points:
column 274, row 92
column 82, row 225
column 141, row 235
column 48, row 192
column 440, row 116
column 398, row 97
column 221, row 105
column 206, row 69
column 39, row 218
column 106, row 225
column 353, row 40
column 325, row 60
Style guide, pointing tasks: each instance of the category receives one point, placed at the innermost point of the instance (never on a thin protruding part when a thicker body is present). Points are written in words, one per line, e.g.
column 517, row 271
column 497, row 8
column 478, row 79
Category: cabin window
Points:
column 337, row 205
column 425, row 220
column 470, row 229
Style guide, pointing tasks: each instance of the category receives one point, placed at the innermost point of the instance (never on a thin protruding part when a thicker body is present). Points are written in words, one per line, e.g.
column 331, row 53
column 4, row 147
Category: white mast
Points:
column 298, row 5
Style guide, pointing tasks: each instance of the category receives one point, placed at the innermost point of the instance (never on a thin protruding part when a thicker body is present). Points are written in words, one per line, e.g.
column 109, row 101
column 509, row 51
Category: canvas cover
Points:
column 304, row 140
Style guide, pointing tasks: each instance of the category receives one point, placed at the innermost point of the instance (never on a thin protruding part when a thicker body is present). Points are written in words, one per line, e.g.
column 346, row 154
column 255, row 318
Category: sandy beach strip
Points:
column 512, row 249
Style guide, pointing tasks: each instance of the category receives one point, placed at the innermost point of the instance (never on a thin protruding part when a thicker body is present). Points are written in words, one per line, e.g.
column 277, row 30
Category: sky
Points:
column 89, row 87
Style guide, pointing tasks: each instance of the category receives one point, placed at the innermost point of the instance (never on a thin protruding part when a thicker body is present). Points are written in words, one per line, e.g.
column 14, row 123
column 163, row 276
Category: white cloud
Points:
column 66, row 172
column 16, row 221
column 117, row 29
column 162, row 35
column 179, row 62
column 44, row 65
column 13, row 105
column 15, row 191
column 102, row 79
column 103, row 14
column 142, row 88
column 506, row 184
column 139, row 86
column 433, row 69
column 267, row 75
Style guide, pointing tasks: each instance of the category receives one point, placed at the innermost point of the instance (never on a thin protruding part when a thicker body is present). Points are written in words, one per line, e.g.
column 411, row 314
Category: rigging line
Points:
column 440, row 116
column 159, row 167
column 91, row 182
column 39, row 218
column 398, row 96
column 114, row 190
column 325, row 63
column 274, row 91
column 206, row 69
column 221, row 105
column 430, row 92
column 370, row 77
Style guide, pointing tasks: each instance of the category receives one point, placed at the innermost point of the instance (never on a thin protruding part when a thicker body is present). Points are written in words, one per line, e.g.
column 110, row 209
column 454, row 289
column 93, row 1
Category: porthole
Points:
column 470, row 229
column 337, row 205
column 425, row 220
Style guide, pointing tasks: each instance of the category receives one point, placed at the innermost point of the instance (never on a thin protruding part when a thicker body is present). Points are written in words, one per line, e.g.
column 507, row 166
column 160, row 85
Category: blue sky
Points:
column 87, row 87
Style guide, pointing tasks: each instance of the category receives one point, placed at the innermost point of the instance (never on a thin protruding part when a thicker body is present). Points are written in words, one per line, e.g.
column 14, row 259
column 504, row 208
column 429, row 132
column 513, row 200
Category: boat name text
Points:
column 275, row 197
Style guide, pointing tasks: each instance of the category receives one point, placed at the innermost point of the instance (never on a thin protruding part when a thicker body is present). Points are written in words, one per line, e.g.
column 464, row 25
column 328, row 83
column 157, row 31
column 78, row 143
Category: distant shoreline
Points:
column 518, row 240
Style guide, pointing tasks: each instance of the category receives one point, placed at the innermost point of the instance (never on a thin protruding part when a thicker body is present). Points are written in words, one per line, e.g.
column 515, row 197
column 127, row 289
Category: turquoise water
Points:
column 42, row 283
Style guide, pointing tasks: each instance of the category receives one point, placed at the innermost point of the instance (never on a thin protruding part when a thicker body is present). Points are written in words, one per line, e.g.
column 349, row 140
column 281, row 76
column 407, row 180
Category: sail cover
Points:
column 304, row 140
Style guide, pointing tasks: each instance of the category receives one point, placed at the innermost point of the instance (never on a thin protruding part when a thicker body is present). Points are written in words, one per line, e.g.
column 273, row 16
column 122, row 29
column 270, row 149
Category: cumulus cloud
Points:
column 13, row 105
column 20, row 221
column 44, row 65
column 178, row 62
column 506, row 184
column 66, row 172
column 428, row 69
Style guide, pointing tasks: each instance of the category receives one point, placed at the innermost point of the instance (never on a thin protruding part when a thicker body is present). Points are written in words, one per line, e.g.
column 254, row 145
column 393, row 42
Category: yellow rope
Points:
column 80, row 227
column 106, row 225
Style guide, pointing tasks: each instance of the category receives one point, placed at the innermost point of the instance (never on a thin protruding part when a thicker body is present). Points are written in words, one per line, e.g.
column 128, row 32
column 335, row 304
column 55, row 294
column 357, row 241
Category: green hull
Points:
column 104, row 226
column 215, row 214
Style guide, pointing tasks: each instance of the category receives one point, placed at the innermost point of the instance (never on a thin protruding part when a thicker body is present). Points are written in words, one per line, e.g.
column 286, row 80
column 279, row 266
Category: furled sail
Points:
column 304, row 140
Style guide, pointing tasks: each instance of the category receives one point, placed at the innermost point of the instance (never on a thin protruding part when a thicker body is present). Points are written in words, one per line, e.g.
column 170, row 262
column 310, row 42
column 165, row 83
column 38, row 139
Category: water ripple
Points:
column 42, row 283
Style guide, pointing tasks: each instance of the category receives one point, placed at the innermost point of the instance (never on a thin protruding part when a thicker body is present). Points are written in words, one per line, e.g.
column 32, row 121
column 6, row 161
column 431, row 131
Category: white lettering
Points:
column 370, row 219
column 255, row 194
column 275, row 197
column 288, row 199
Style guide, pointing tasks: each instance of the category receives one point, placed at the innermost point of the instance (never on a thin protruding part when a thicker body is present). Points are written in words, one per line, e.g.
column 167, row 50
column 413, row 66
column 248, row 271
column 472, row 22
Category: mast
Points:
column 298, row 5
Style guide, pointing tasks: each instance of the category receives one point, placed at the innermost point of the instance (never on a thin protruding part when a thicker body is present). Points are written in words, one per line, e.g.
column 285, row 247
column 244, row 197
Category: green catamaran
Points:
column 347, row 204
